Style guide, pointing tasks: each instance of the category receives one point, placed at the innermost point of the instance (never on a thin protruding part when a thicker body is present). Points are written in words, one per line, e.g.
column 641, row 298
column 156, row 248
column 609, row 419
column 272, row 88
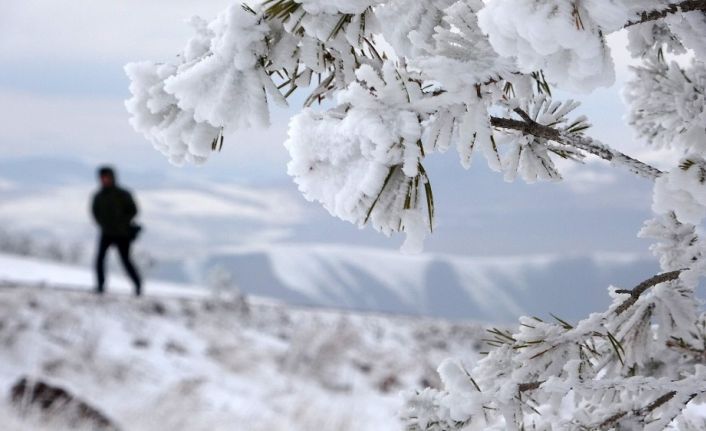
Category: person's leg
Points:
column 103, row 244
column 124, row 250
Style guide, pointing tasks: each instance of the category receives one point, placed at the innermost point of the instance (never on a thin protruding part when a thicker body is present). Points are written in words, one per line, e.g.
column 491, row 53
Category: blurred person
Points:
column 114, row 211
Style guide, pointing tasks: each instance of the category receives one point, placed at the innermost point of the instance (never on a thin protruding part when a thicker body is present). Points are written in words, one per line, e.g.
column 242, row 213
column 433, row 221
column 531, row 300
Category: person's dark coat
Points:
column 114, row 208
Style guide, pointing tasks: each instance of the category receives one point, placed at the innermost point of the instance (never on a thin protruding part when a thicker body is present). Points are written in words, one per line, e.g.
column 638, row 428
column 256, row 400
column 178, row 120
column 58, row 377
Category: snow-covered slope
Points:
column 489, row 289
column 458, row 287
column 37, row 272
column 175, row 363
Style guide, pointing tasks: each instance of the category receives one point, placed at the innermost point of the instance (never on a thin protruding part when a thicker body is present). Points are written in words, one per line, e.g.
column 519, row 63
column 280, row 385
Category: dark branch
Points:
column 528, row 128
column 654, row 405
column 524, row 387
column 642, row 287
column 684, row 6
column 613, row 420
column 610, row 422
column 531, row 127
column 525, row 116
column 684, row 347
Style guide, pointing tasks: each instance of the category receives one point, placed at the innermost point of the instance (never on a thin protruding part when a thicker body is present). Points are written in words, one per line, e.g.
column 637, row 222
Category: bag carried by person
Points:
column 135, row 230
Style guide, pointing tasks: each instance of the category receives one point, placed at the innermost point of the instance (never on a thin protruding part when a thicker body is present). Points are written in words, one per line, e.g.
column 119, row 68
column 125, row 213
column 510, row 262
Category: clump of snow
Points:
column 361, row 161
column 337, row 6
column 648, row 38
column 217, row 82
column 668, row 104
column 556, row 36
column 415, row 24
column 683, row 191
column 612, row 15
column 676, row 243
column 690, row 28
column 225, row 87
column 155, row 114
column 458, row 54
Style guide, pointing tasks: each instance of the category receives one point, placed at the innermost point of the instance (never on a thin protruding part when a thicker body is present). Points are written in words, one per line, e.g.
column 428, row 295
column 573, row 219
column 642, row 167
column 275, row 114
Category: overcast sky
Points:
column 62, row 84
column 62, row 89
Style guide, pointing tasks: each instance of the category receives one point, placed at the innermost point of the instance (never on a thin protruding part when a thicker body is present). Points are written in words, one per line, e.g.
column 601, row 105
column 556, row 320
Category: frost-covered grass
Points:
column 189, row 363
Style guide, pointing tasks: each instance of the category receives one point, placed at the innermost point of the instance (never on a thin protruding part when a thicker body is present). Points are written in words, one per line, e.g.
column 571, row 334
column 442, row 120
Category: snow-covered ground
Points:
column 488, row 289
column 37, row 272
column 180, row 360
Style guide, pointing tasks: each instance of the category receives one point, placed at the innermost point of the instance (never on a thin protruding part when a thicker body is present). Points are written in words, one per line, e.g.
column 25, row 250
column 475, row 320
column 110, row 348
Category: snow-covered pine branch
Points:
column 612, row 370
column 397, row 81
column 461, row 58
column 569, row 137
column 668, row 103
column 665, row 9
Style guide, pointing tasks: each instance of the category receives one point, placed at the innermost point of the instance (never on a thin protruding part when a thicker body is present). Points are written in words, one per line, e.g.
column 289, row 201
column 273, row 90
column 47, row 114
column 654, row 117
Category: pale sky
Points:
column 62, row 85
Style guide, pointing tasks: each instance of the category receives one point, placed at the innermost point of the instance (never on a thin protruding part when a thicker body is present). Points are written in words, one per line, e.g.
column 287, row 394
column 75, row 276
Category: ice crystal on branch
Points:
column 668, row 104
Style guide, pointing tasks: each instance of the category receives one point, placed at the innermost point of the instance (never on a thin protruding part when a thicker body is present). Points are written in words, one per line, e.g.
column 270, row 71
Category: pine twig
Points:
column 686, row 348
column 612, row 421
column 530, row 127
column 642, row 287
column 524, row 387
column 684, row 6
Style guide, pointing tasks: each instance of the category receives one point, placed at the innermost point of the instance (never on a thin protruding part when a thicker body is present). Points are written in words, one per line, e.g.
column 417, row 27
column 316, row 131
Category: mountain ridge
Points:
column 495, row 289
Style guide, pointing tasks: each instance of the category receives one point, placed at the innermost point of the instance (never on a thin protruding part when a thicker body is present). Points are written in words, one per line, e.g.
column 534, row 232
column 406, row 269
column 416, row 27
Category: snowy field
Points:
column 36, row 272
column 180, row 360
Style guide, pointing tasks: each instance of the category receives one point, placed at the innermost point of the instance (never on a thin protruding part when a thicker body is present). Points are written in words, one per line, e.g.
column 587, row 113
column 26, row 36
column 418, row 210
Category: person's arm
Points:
column 94, row 209
column 130, row 206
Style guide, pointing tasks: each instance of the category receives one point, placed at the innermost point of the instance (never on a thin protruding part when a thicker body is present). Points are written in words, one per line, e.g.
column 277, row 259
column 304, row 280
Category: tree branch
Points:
column 524, row 387
column 684, row 6
column 531, row 127
column 688, row 349
column 642, row 287
column 612, row 421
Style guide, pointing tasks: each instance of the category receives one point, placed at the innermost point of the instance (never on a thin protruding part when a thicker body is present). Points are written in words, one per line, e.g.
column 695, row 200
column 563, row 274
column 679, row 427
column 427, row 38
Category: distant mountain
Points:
column 457, row 287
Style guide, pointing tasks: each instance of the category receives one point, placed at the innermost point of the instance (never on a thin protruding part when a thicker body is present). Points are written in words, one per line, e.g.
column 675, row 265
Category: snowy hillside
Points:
column 22, row 270
column 495, row 289
column 184, row 363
